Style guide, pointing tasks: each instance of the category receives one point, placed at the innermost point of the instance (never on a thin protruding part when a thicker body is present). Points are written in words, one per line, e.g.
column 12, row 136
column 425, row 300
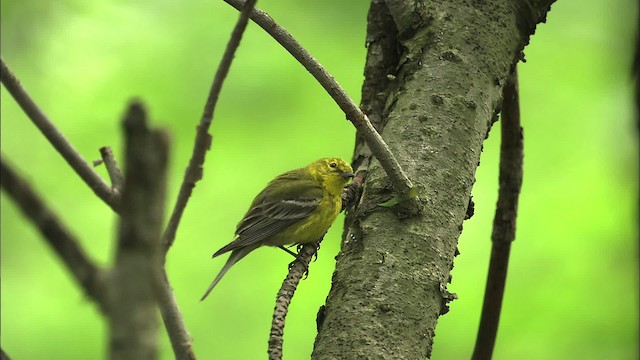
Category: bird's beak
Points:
column 347, row 175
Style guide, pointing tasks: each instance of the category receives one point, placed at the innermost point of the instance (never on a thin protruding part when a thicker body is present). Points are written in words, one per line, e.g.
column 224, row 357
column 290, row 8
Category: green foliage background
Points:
column 572, row 290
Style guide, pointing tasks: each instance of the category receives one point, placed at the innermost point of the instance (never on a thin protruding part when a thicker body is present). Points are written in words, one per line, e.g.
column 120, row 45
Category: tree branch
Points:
column 350, row 195
column 297, row 270
column 172, row 318
column 504, row 223
column 133, row 322
column 352, row 192
column 379, row 148
column 446, row 89
column 64, row 243
column 3, row 355
column 112, row 169
column 171, row 315
column 202, row 142
column 57, row 139
column 382, row 60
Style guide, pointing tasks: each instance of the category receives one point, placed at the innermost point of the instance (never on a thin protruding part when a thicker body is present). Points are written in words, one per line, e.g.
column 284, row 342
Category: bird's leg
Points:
column 290, row 252
column 298, row 257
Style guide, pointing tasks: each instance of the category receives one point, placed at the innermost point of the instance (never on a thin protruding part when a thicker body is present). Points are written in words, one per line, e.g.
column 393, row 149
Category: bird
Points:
column 296, row 207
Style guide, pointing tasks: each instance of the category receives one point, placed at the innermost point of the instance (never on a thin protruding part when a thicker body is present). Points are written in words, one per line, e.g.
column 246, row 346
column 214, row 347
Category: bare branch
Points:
column 202, row 142
column 112, row 168
column 504, row 223
column 133, row 320
column 379, row 148
column 172, row 317
column 57, row 139
column 64, row 243
column 350, row 195
column 3, row 355
column 297, row 270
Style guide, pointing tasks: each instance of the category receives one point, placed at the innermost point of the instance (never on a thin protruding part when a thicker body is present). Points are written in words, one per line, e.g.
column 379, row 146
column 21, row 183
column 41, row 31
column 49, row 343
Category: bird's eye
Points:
column 333, row 165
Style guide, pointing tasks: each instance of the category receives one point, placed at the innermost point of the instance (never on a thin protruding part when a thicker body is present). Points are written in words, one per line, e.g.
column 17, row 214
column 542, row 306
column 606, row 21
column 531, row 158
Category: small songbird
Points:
column 297, row 207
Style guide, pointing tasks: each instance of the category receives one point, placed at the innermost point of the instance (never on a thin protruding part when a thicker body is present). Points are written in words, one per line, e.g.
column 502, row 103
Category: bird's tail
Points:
column 236, row 255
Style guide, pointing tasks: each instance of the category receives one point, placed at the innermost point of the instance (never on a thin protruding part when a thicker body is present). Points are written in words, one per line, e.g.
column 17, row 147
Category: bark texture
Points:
column 133, row 323
column 433, row 82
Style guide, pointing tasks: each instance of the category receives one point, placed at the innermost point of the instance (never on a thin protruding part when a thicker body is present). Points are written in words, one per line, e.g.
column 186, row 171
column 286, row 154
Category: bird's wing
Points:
column 274, row 210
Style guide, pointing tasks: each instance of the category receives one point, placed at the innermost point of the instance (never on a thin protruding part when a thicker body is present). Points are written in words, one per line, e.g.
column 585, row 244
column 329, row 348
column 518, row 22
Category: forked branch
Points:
column 57, row 139
column 117, row 180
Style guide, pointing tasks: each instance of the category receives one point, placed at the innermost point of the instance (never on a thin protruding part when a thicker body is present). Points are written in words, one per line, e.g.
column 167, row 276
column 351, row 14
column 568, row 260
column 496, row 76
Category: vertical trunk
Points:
column 133, row 315
column 433, row 81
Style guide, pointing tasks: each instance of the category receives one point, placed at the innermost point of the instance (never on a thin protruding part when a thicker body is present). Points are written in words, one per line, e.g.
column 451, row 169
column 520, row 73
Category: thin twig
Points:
column 57, row 139
column 297, row 270
column 133, row 318
column 636, row 73
column 379, row 148
column 504, row 223
column 58, row 236
column 172, row 318
column 202, row 143
column 113, row 170
column 171, row 315
column 350, row 195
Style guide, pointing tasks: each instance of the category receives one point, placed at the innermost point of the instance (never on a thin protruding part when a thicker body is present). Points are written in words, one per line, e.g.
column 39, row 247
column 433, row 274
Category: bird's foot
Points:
column 297, row 256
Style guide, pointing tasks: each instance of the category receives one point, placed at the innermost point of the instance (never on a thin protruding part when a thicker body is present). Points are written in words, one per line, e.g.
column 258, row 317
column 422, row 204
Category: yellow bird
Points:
column 297, row 207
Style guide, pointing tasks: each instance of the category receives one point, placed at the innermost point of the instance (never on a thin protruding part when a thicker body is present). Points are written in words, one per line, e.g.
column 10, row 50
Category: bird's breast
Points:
column 312, row 228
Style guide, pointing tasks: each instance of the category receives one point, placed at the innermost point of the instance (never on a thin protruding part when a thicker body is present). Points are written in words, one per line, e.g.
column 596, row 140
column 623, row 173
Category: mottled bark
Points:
column 437, row 92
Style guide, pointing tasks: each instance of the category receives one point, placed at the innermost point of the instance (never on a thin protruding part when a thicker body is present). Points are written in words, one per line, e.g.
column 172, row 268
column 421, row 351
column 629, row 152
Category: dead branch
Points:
column 57, row 139
column 504, row 223
column 202, row 142
column 89, row 276
column 132, row 317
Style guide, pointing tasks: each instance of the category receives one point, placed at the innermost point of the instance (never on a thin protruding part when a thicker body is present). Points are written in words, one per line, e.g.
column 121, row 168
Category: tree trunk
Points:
column 433, row 84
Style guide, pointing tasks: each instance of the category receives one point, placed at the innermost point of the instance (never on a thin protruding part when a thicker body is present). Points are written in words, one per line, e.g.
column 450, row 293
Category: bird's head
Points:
column 334, row 173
